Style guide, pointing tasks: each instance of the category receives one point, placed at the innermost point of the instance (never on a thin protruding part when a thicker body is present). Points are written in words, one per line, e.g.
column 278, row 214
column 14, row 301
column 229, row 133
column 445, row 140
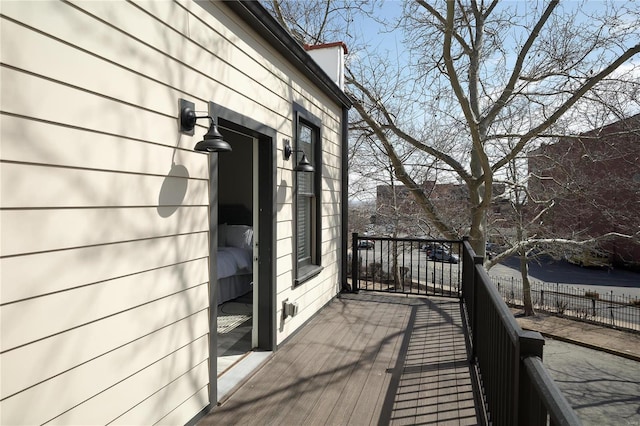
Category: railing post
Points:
column 477, row 260
column 355, row 264
column 530, row 408
column 470, row 292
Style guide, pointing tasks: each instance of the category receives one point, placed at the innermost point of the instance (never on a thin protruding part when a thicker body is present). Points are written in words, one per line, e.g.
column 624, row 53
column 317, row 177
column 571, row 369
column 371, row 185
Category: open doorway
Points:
column 237, row 251
column 243, row 193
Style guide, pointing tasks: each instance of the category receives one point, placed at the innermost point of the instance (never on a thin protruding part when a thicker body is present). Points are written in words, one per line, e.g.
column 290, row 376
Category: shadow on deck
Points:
column 364, row 359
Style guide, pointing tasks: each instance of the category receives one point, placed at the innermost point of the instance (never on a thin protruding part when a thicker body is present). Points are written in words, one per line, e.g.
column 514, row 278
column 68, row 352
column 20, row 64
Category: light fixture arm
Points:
column 288, row 150
column 188, row 118
column 213, row 140
column 304, row 165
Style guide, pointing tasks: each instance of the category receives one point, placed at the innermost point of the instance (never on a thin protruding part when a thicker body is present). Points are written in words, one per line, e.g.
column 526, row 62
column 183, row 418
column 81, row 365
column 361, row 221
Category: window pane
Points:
column 305, row 141
column 306, row 214
column 304, row 230
column 305, row 183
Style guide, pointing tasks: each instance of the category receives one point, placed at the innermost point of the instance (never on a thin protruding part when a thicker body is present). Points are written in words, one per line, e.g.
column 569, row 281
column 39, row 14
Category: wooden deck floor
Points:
column 364, row 359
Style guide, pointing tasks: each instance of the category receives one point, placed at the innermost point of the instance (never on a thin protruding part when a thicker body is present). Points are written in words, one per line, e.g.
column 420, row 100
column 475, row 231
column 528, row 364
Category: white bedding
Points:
column 234, row 261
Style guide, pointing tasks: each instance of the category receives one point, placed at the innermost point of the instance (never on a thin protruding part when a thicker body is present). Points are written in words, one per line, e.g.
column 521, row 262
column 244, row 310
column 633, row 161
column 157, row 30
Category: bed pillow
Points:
column 222, row 235
column 240, row 236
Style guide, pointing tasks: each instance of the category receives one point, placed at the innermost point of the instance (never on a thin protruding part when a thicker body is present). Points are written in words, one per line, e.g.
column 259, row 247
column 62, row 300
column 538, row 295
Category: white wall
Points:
column 104, row 205
column 330, row 57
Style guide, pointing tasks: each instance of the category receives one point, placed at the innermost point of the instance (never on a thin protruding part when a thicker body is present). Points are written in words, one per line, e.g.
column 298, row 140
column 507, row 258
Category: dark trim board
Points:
column 267, row 212
column 266, row 190
column 213, row 277
column 344, row 202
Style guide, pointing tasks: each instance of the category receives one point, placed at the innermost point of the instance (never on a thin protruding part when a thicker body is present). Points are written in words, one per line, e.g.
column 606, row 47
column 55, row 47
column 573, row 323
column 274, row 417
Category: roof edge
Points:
column 326, row 45
column 254, row 14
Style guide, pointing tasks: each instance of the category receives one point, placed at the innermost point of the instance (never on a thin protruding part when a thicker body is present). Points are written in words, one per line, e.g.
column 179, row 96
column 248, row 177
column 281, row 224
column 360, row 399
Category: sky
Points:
column 379, row 39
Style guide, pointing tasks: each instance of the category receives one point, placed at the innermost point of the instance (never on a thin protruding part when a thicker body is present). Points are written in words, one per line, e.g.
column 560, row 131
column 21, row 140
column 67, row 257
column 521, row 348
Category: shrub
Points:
column 561, row 306
column 592, row 295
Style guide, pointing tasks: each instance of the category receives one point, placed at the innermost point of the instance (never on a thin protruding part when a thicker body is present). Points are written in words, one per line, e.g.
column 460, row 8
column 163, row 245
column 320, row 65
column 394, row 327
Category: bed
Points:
column 235, row 253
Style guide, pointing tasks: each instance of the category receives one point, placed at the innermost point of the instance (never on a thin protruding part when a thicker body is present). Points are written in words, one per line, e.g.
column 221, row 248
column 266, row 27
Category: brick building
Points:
column 451, row 201
column 594, row 179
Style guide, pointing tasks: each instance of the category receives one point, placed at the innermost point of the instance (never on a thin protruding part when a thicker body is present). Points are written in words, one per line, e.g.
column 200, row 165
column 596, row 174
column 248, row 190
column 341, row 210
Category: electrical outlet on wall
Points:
column 289, row 309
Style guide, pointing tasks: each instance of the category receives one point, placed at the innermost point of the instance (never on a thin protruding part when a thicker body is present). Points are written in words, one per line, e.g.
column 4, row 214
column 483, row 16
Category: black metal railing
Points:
column 604, row 308
column 414, row 266
column 507, row 360
column 515, row 386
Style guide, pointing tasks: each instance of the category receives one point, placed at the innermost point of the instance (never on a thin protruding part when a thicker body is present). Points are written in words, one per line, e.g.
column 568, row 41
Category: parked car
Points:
column 443, row 255
column 427, row 248
column 366, row 244
column 490, row 250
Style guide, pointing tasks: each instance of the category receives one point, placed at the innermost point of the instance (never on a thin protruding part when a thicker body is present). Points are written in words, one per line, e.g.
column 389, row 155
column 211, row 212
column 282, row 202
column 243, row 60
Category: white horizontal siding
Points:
column 184, row 370
column 39, row 230
column 104, row 208
column 200, row 73
column 55, row 187
column 105, row 223
column 86, row 110
column 185, row 409
column 164, row 401
column 86, row 361
column 220, row 67
column 43, row 273
column 27, row 141
column 66, row 310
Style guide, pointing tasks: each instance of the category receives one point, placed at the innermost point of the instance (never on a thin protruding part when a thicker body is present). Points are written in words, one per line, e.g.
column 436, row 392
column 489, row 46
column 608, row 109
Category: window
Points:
column 307, row 198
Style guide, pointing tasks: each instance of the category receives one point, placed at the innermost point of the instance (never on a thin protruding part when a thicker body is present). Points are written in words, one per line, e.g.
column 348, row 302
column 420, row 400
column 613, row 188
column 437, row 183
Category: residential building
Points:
column 111, row 223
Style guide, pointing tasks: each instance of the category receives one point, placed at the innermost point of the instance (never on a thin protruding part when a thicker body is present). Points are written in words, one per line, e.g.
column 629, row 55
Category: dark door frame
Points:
column 266, row 137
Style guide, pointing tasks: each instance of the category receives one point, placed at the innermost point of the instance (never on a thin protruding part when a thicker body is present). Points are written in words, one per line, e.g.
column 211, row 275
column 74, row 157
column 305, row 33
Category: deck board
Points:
column 370, row 370
column 363, row 359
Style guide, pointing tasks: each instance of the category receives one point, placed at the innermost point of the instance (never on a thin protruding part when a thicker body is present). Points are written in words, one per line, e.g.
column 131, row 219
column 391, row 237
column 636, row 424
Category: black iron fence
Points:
column 589, row 305
column 406, row 265
column 507, row 361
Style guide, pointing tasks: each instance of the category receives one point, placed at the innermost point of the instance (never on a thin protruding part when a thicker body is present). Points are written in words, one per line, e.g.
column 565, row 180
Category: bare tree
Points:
column 593, row 182
column 548, row 69
column 318, row 21
column 474, row 66
column 574, row 198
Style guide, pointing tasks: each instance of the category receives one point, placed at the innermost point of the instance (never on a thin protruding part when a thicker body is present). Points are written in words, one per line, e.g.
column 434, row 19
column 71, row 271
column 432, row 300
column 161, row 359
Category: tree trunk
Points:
column 477, row 234
column 526, row 285
column 397, row 284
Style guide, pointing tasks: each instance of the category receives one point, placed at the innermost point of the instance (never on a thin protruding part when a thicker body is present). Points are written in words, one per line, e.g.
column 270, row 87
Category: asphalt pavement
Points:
column 618, row 281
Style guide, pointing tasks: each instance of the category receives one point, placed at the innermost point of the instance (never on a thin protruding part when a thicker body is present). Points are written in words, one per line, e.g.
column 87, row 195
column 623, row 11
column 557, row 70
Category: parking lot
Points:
column 613, row 281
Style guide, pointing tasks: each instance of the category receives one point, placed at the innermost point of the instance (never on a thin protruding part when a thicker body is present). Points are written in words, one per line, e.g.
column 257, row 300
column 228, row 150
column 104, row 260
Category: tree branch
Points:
column 517, row 68
column 575, row 97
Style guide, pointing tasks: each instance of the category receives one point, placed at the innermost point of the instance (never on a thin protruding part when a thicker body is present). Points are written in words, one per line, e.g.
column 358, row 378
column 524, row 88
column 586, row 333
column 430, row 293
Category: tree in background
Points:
column 474, row 67
column 575, row 199
column 463, row 69
column 594, row 182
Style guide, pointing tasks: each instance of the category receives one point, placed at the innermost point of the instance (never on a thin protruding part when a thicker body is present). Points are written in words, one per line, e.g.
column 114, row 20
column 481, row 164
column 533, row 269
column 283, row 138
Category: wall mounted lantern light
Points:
column 212, row 141
column 303, row 165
